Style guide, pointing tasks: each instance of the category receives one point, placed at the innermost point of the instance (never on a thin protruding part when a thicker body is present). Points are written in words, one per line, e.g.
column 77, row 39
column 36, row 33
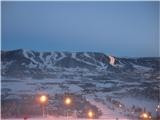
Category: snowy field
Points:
column 64, row 118
column 34, row 85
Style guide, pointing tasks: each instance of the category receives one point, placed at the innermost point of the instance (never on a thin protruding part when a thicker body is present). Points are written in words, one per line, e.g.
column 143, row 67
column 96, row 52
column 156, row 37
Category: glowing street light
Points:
column 90, row 114
column 43, row 99
column 145, row 115
column 68, row 101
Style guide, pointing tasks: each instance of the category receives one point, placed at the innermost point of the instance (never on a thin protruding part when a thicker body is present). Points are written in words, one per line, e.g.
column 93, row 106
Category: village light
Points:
column 68, row 101
column 145, row 115
column 43, row 98
column 90, row 114
column 120, row 105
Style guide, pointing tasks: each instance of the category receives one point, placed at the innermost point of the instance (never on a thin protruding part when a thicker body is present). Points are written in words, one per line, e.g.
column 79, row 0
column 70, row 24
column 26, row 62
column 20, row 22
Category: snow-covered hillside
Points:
column 114, row 86
column 20, row 63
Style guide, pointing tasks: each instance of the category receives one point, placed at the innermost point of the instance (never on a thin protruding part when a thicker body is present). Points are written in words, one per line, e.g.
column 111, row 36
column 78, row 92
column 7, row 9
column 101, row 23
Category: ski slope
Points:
column 107, row 114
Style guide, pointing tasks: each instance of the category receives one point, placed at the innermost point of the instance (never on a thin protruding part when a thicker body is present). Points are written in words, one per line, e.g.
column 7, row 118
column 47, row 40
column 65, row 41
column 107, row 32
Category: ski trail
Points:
column 107, row 114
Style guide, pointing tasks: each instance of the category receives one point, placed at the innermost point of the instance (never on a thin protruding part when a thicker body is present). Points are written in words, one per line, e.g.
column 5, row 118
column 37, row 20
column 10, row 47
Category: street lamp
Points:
column 90, row 114
column 43, row 100
column 145, row 115
column 67, row 101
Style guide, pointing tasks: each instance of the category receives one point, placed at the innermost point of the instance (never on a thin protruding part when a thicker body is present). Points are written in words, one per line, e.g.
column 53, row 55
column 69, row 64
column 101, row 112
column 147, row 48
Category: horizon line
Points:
column 8, row 50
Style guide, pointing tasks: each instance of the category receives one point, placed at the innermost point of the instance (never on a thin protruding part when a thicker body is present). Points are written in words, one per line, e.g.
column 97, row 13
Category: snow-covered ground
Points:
column 30, row 86
column 71, row 118
column 107, row 114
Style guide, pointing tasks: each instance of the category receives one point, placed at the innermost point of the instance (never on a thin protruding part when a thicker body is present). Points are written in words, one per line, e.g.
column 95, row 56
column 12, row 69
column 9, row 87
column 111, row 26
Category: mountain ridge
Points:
column 30, row 61
column 47, row 51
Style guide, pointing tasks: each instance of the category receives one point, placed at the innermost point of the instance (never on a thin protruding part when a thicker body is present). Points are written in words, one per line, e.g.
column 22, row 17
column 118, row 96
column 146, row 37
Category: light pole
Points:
column 75, row 114
column 43, row 100
column 67, row 102
column 132, row 115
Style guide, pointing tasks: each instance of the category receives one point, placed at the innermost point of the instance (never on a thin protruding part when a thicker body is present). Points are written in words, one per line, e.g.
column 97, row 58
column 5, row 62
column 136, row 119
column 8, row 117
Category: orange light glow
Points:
column 90, row 114
column 68, row 101
column 145, row 115
column 43, row 99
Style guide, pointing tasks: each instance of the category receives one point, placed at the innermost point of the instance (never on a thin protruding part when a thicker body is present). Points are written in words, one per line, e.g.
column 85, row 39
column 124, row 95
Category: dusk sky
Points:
column 118, row 28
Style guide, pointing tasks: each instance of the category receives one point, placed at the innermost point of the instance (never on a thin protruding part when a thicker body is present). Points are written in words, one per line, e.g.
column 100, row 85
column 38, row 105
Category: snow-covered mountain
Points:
column 21, row 62
column 90, row 76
